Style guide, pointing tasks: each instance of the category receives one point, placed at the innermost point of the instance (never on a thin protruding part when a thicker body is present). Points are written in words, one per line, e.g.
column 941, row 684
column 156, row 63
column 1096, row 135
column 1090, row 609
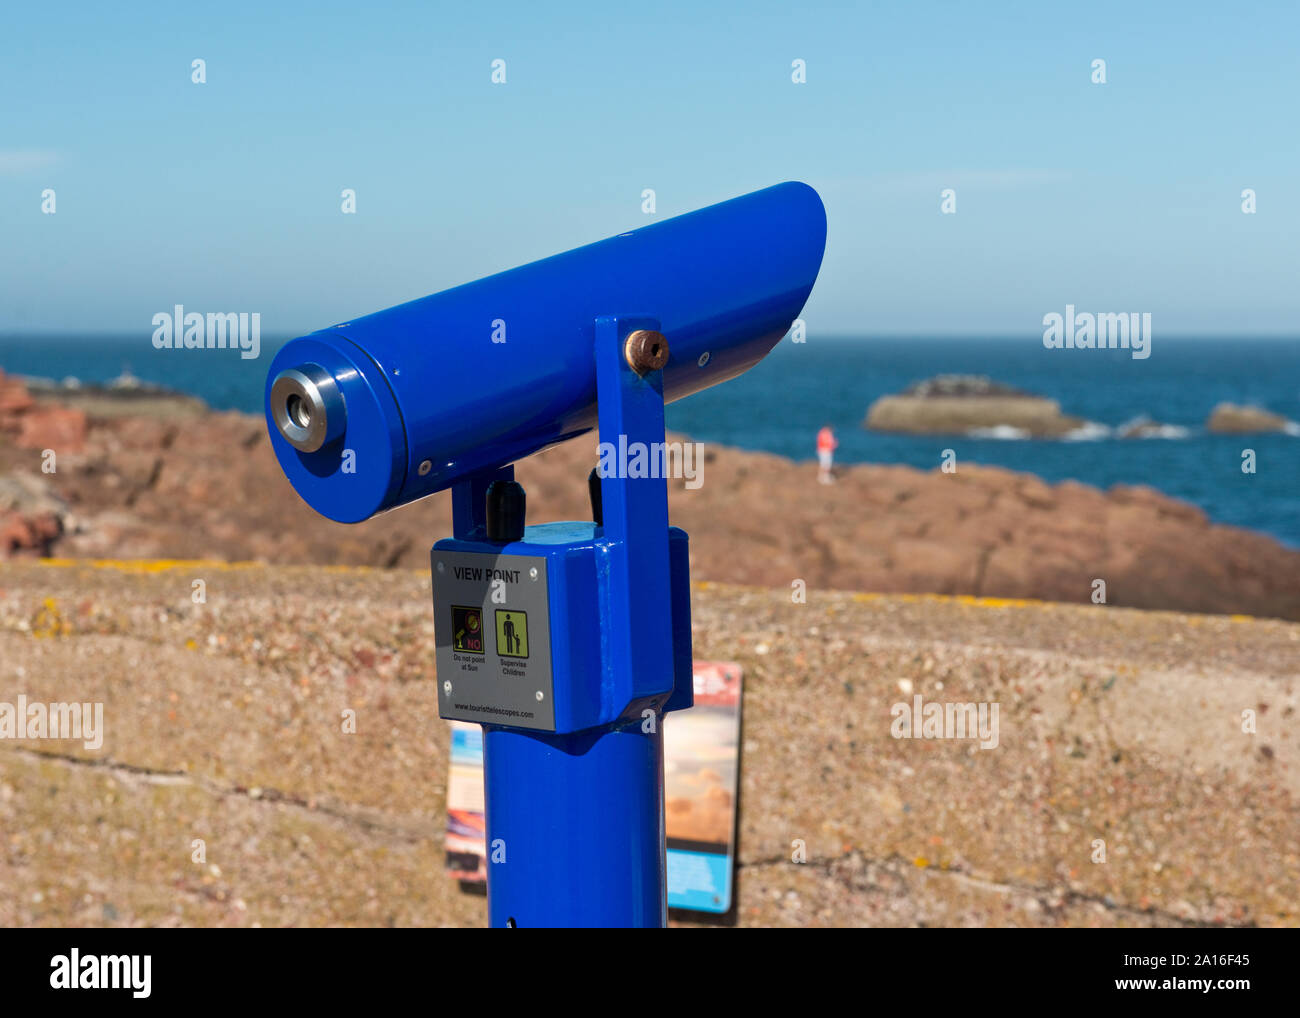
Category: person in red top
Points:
column 826, row 446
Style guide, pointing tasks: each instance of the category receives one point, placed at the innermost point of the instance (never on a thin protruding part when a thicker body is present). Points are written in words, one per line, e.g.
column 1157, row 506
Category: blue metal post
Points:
column 575, row 821
column 575, row 827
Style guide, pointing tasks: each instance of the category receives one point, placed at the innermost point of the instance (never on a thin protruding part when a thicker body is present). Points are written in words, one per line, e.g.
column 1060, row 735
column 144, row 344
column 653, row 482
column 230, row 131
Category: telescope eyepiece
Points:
column 307, row 407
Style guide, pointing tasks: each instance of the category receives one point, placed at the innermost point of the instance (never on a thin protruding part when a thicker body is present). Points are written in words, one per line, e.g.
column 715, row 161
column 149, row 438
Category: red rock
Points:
column 28, row 534
column 51, row 427
column 14, row 400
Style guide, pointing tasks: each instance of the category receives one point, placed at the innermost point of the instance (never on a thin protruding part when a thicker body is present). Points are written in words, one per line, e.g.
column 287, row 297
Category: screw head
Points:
column 539, row 694
column 446, row 687
column 646, row 351
column 704, row 358
column 425, row 466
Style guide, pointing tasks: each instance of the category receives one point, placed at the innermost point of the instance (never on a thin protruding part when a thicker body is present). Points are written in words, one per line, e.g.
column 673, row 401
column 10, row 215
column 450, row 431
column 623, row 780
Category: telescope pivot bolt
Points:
column 646, row 351
column 506, row 508
column 307, row 407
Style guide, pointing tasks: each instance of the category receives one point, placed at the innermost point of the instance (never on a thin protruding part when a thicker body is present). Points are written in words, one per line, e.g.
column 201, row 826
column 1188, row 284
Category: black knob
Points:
column 593, row 491
column 506, row 508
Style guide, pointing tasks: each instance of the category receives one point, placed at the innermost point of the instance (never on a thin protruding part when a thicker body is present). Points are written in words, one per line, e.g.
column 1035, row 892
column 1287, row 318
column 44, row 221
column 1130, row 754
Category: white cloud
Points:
column 916, row 181
column 984, row 180
column 25, row 160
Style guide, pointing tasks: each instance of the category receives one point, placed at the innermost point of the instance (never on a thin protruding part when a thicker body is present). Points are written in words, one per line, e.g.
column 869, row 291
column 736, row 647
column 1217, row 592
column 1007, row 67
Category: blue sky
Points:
column 226, row 195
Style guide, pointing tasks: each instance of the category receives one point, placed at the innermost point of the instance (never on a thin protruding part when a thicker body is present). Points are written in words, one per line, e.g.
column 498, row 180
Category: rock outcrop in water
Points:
column 961, row 404
column 1144, row 426
column 1231, row 419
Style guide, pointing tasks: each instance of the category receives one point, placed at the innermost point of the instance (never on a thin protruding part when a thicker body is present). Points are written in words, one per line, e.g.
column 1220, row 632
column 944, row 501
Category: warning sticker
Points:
column 467, row 629
column 512, row 633
column 491, row 620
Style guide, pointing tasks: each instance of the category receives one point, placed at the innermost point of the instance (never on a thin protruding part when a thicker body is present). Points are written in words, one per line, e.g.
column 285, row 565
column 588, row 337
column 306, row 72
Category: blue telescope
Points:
column 566, row 641
column 432, row 391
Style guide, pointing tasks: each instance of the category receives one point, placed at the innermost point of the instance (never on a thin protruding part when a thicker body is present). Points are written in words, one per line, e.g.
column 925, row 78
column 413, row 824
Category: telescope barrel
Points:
column 374, row 413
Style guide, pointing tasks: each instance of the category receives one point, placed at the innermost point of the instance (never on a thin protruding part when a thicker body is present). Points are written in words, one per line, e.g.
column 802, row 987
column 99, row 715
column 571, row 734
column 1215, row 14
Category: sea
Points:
column 779, row 405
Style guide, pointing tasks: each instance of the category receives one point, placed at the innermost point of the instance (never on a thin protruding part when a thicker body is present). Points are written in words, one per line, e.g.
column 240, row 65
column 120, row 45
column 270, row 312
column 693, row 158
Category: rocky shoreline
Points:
column 206, row 486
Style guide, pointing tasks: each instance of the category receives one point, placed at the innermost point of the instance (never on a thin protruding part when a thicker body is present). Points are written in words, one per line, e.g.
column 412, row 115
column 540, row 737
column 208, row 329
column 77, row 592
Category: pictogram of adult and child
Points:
column 512, row 633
